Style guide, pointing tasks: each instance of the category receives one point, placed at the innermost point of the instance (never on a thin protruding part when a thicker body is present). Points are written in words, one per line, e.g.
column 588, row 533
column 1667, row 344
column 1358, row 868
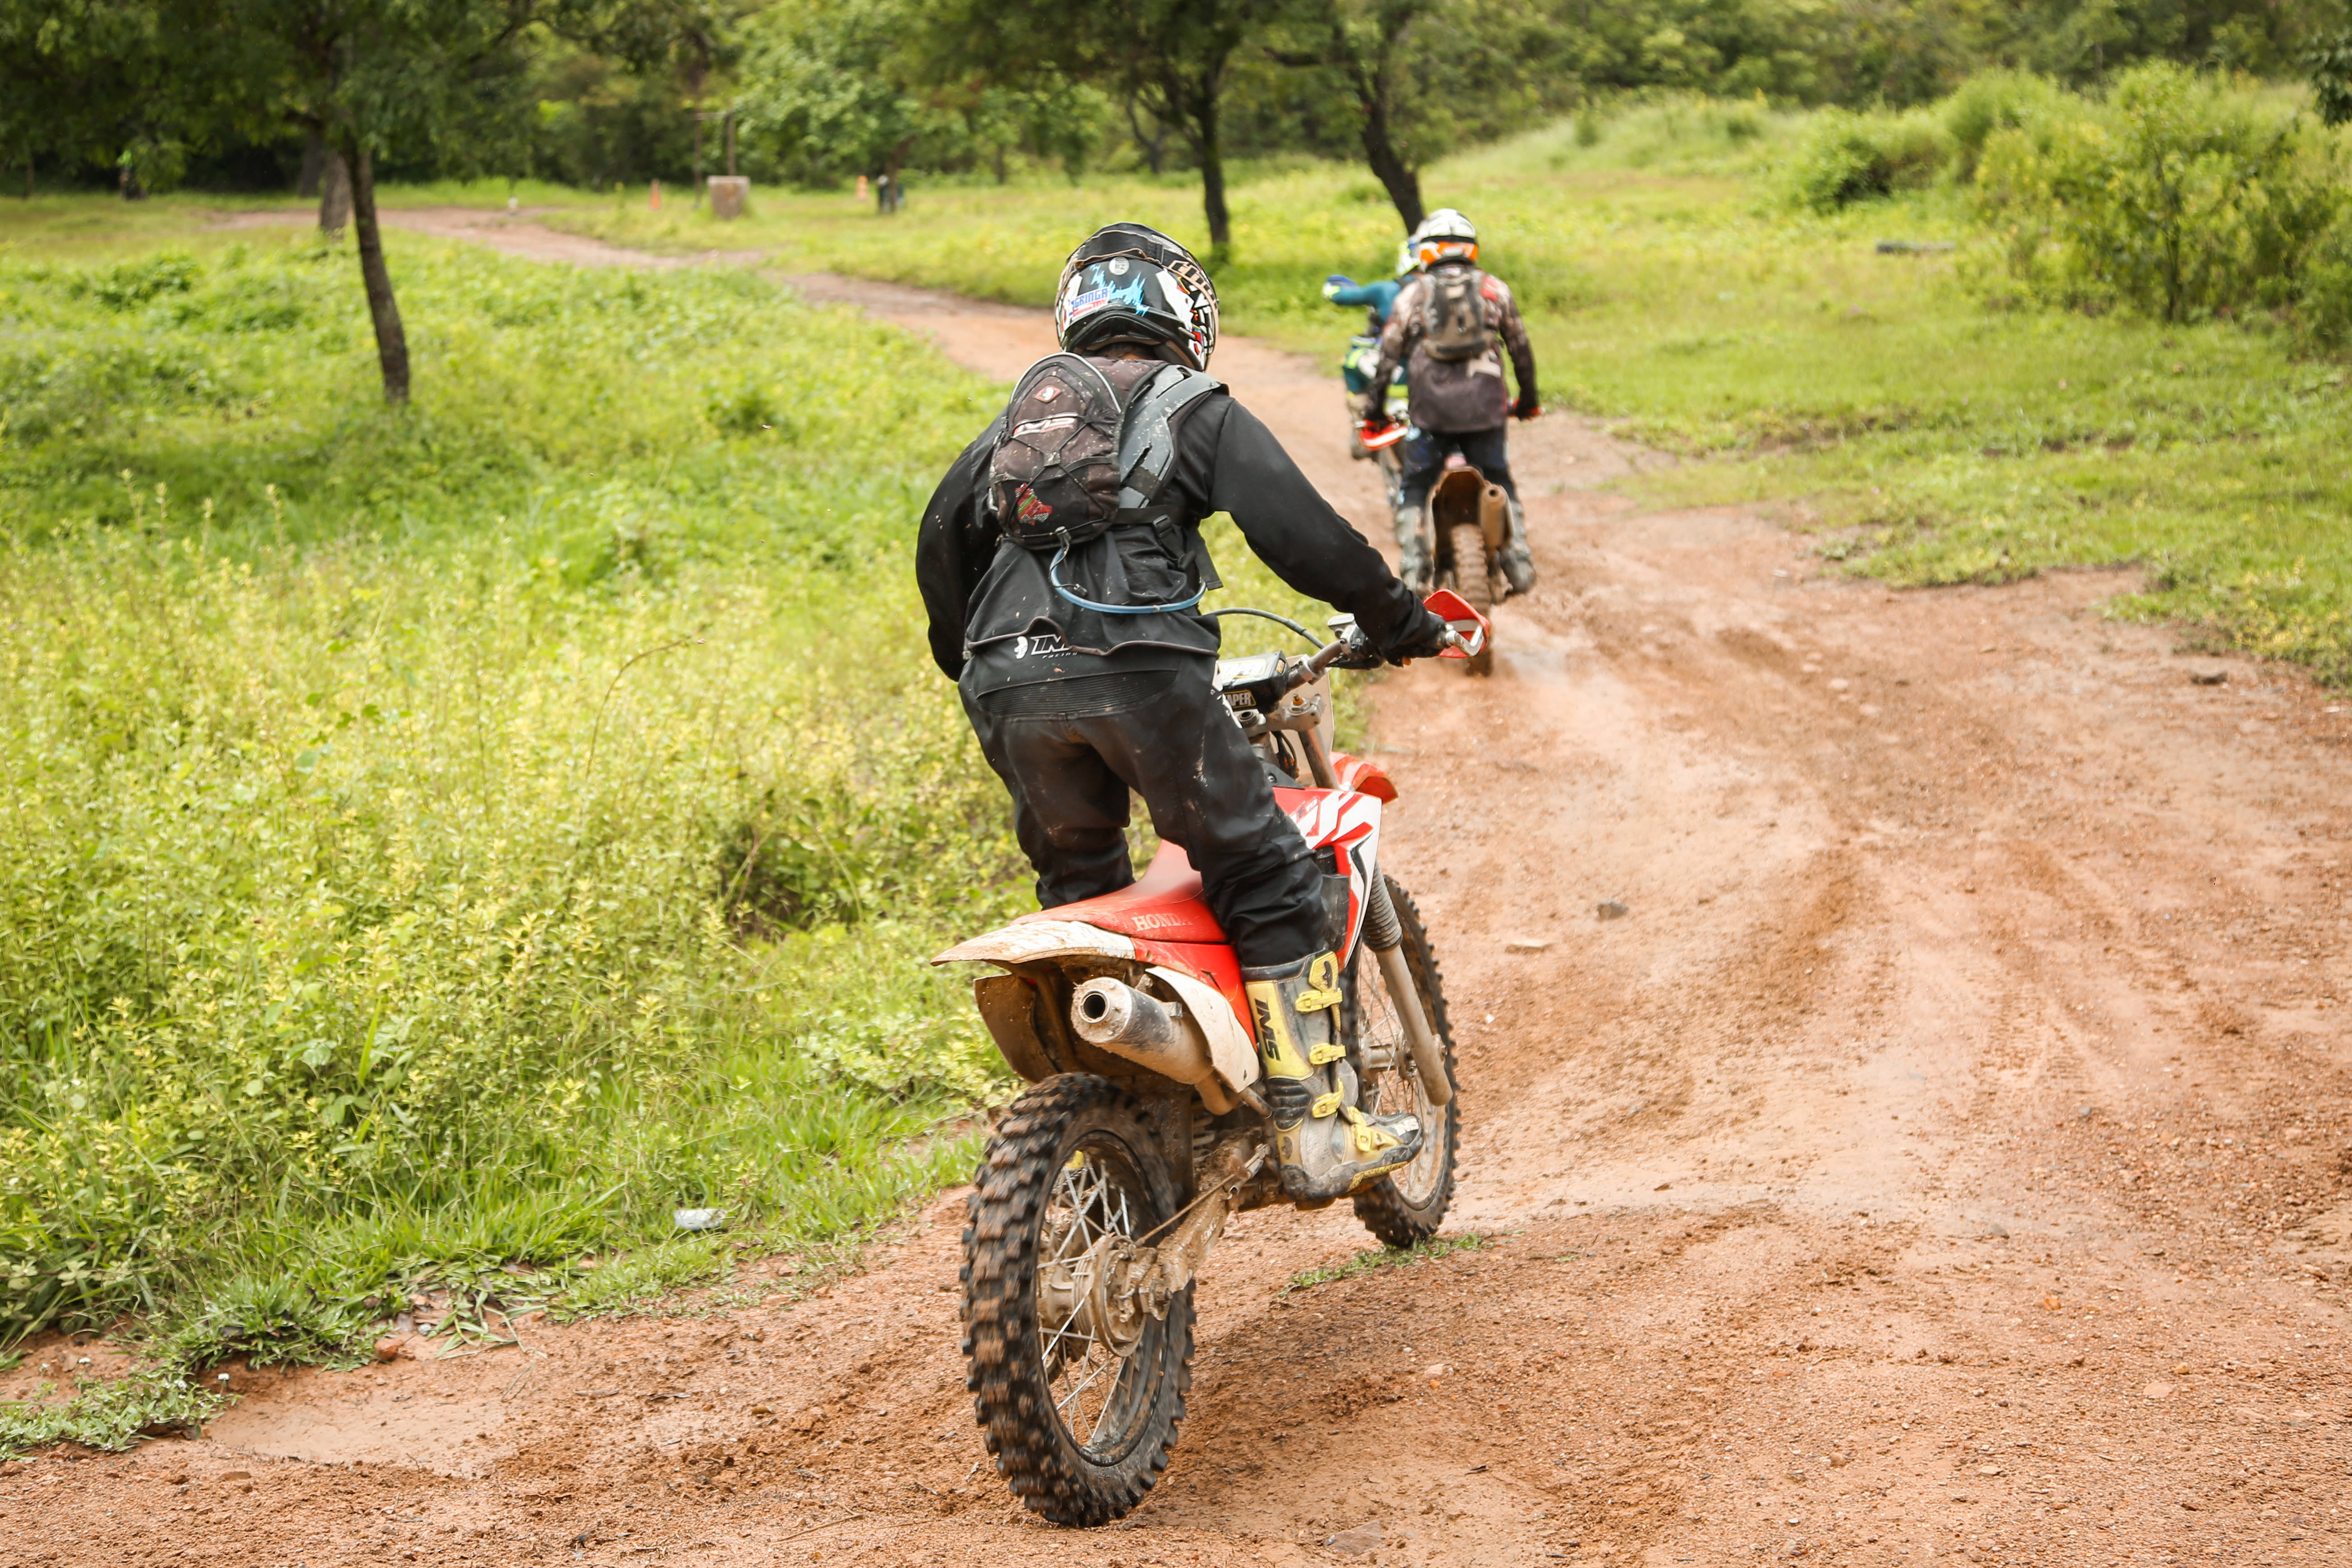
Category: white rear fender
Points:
column 1035, row 942
column 1225, row 1054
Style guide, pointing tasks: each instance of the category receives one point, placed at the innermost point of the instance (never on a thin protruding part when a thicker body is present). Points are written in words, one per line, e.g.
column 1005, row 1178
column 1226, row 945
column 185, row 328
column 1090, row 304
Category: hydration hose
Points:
column 1053, row 576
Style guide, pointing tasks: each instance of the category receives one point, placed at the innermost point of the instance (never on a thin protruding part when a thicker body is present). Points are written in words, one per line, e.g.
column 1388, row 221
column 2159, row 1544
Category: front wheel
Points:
column 1079, row 1390
column 1409, row 1205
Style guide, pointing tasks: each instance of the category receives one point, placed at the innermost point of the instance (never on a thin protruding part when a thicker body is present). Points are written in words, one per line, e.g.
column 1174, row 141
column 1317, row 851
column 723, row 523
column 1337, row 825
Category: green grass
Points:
column 114, row 1415
column 439, row 840
column 436, row 843
column 1380, row 1259
column 1930, row 430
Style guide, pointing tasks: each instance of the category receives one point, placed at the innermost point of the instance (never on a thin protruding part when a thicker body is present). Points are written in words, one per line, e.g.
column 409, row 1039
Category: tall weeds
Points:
column 372, row 905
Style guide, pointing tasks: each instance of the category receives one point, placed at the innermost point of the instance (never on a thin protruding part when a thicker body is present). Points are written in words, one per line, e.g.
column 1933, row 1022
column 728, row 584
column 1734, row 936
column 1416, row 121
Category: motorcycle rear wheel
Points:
column 1080, row 1434
column 1407, row 1206
column 1475, row 583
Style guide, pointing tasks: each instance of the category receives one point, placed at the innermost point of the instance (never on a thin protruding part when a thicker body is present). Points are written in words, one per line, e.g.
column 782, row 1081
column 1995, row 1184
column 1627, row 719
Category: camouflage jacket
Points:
column 1457, row 395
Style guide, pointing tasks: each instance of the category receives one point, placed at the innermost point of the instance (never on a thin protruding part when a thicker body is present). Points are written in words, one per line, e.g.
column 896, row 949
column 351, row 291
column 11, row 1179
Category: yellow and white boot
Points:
column 1327, row 1145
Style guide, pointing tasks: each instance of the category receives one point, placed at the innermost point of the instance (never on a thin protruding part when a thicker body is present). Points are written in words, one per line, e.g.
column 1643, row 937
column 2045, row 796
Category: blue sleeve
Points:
column 1364, row 294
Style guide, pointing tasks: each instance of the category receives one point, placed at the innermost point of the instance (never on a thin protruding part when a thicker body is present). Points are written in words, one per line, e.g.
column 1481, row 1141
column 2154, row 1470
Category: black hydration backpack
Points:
column 1454, row 314
column 1086, row 447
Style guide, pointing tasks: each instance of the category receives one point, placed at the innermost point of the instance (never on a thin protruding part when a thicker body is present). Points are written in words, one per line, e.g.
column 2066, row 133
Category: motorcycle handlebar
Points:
column 1321, row 660
column 1314, row 664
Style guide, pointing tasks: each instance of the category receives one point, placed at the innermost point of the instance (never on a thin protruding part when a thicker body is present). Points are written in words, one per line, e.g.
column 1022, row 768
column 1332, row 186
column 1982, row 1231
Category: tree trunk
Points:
column 1211, row 147
column 391, row 342
column 1155, row 147
column 28, row 174
column 334, row 192
column 1402, row 182
column 314, row 162
column 894, row 193
column 1374, row 82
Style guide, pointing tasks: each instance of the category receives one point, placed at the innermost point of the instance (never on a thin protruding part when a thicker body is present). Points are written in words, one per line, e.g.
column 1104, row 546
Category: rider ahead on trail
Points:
column 1447, row 328
column 1378, row 298
column 1062, row 566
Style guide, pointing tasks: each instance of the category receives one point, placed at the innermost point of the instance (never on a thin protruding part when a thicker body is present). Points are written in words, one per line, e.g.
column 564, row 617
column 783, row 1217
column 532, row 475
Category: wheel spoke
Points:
column 1095, row 1201
column 1397, row 1088
column 1067, row 1331
column 1110, row 1397
column 1100, row 1367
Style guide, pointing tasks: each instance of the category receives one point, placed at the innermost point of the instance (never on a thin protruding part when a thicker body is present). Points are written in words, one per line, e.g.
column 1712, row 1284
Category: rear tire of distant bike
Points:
column 1408, row 1205
column 1472, row 581
column 1080, row 1435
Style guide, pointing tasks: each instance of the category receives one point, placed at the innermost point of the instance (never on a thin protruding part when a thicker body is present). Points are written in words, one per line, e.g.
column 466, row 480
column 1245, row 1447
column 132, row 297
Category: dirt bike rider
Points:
column 1379, row 296
column 1363, row 357
column 1063, row 597
column 1444, row 327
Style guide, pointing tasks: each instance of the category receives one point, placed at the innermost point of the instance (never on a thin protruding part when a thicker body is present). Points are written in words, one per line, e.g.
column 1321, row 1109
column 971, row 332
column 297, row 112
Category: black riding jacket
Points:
column 991, row 607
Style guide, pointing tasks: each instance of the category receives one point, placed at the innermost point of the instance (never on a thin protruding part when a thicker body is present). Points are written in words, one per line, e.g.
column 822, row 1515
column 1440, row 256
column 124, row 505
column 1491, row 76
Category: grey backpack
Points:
column 1454, row 314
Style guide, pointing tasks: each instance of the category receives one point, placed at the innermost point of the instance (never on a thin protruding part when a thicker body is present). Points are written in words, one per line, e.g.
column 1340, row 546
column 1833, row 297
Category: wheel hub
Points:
column 1093, row 1295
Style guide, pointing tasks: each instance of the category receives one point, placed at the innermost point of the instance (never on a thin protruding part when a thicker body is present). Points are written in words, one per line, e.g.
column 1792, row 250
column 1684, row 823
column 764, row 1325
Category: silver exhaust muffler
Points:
column 1161, row 1035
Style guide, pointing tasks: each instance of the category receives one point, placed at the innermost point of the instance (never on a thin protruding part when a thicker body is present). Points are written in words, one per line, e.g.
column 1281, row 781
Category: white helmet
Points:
column 1445, row 235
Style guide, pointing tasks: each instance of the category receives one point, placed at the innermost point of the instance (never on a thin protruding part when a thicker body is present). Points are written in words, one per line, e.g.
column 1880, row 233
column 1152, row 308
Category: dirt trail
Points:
column 1942, row 1158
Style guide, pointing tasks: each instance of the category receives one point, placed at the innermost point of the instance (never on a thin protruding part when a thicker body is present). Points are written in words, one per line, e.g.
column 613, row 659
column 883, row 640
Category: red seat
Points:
column 1165, row 906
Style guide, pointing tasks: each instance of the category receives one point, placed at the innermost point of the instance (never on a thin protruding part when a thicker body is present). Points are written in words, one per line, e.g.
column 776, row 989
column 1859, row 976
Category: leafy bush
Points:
column 2329, row 62
column 2178, row 196
column 1849, row 158
column 136, row 282
column 1991, row 101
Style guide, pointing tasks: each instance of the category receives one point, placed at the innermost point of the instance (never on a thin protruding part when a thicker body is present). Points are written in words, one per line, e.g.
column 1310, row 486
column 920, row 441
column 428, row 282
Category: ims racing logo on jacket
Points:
column 1039, row 645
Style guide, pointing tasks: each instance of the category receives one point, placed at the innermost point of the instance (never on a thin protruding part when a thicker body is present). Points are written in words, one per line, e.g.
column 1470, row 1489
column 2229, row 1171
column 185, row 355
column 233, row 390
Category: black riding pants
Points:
column 1069, row 751
column 1488, row 451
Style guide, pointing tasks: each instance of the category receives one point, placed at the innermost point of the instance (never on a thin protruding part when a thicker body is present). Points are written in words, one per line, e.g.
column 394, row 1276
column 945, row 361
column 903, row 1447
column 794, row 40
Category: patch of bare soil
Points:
column 516, row 232
column 1942, row 1158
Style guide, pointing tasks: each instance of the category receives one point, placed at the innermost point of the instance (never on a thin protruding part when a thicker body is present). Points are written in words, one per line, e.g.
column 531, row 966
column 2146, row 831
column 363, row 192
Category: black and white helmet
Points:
column 1129, row 283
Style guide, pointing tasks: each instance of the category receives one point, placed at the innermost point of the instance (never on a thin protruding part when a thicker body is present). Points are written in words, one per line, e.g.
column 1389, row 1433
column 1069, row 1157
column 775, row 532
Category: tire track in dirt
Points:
column 1942, row 1160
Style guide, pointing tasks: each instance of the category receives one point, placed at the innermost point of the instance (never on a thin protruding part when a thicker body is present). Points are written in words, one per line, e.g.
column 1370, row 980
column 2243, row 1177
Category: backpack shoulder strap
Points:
column 1147, row 442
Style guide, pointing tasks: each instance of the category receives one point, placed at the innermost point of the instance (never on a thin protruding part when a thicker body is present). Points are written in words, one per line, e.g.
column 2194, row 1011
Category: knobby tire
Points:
column 1385, row 1209
column 1043, row 1463
column 1473, row 582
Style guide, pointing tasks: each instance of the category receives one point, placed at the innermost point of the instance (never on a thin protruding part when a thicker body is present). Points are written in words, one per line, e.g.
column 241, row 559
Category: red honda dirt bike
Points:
column 1144, row 1131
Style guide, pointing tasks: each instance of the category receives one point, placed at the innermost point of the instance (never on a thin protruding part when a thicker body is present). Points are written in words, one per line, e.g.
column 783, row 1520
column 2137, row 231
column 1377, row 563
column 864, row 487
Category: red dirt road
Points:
column 1944, row 1157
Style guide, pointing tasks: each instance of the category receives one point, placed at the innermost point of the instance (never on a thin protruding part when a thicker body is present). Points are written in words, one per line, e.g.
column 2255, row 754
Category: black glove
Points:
column 1421, row 636
column 1527, row 407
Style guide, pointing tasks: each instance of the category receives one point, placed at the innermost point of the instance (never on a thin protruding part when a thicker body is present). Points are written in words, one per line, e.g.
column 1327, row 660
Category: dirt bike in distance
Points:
column 1145, row 1129
column 1464, row 524
column 1380, row 440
